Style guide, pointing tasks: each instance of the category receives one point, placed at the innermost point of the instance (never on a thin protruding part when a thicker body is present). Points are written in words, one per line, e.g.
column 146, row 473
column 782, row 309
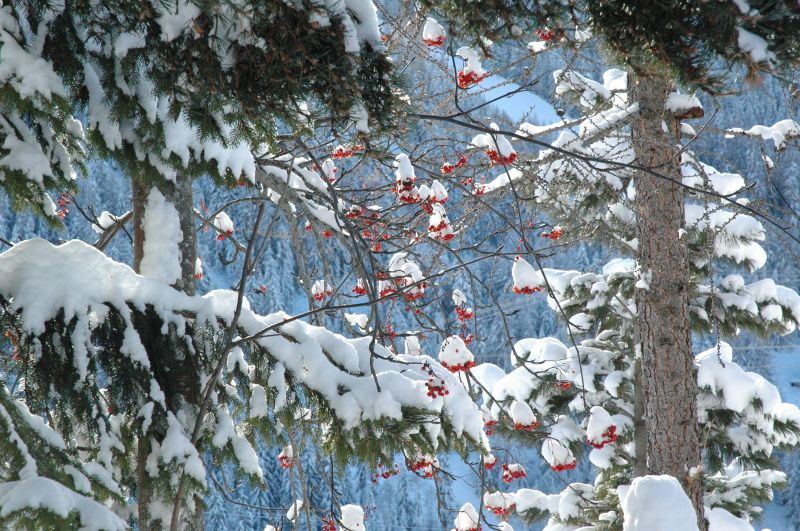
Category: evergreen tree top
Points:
column 200, row 87
column 699, row 40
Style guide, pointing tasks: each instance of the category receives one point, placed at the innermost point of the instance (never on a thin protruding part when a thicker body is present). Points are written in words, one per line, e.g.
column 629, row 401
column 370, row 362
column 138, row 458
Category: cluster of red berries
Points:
column 526, row 427
column 353, row 212
column 434, row 384
column 553, row 234
column 448, row 168
column 359, row 288
column 340, row 152
column 565, row 466
column 427, row 205
column 63, row 205
column 489, row 462
column 464, row 313
column 497, row 158
column 319, row 297
column 408, row 197
column 285, row 461
column 406, row 192
column 423, row 468
column 545, row 34
column 387, row 290
column 469, row 79
column 443, row 225
column 435, row 42
column 527, row 290
column 609, row 436
column 385, row 472
column 416, row 293
column 328, row 524
column 564, row 386
column 489, row 427
column 512, row 472
column 502, row 512
column 459, row 367
column 222, row 235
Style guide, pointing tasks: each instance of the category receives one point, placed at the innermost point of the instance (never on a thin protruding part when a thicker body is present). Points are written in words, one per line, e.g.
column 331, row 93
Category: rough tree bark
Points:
column 668, row 374
column 173, row 365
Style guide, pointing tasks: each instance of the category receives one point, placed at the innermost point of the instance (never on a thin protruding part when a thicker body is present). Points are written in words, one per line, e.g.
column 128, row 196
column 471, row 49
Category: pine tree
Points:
column 595, row 379
column 126, row 364
column 674, row 41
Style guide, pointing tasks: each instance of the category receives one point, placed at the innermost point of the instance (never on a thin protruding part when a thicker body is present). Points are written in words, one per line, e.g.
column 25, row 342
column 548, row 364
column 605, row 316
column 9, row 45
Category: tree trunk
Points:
column 639, row 424
column 173, row 365
column 662, row 325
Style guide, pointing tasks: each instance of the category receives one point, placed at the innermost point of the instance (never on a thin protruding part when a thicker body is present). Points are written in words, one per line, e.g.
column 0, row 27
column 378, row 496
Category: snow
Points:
column 223, row 224
column 294, row 510
column 473, row 60
column 728, row 224
column 432, row 31
column 521, row 413
column 494, row 142
column 258, row 401
column 360, row 320
column 162, row 237
column 718, row 372
column 83, row 279
column 755, row 46
column 24, row 154
column 404, row 168
column 38, row 492
column 454, row 352
column 599, row 422
column 459, row 299
column 527, row 499
column 556, row 452
column 353, row 518
column 499, row 500
column 656, row 503
column 28, row 74
column 177, row 447
column 678, row 103
column 175, row 19
column 779, row 132
column 538, row 46
column 526, row 278
column 588, row 89
column 721, row 520
column 225, row 432
column 104, row 222
column 99, row 113
column 467, row 518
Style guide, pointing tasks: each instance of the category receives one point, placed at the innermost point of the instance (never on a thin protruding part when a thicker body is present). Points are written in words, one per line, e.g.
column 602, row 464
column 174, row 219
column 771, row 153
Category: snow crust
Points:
column 84, row 281
column 656, row 503
column 162, row 238
column 38, row 492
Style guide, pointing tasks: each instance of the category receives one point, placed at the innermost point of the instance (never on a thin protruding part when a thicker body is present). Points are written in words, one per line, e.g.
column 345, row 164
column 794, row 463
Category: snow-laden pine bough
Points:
column 89, row 342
